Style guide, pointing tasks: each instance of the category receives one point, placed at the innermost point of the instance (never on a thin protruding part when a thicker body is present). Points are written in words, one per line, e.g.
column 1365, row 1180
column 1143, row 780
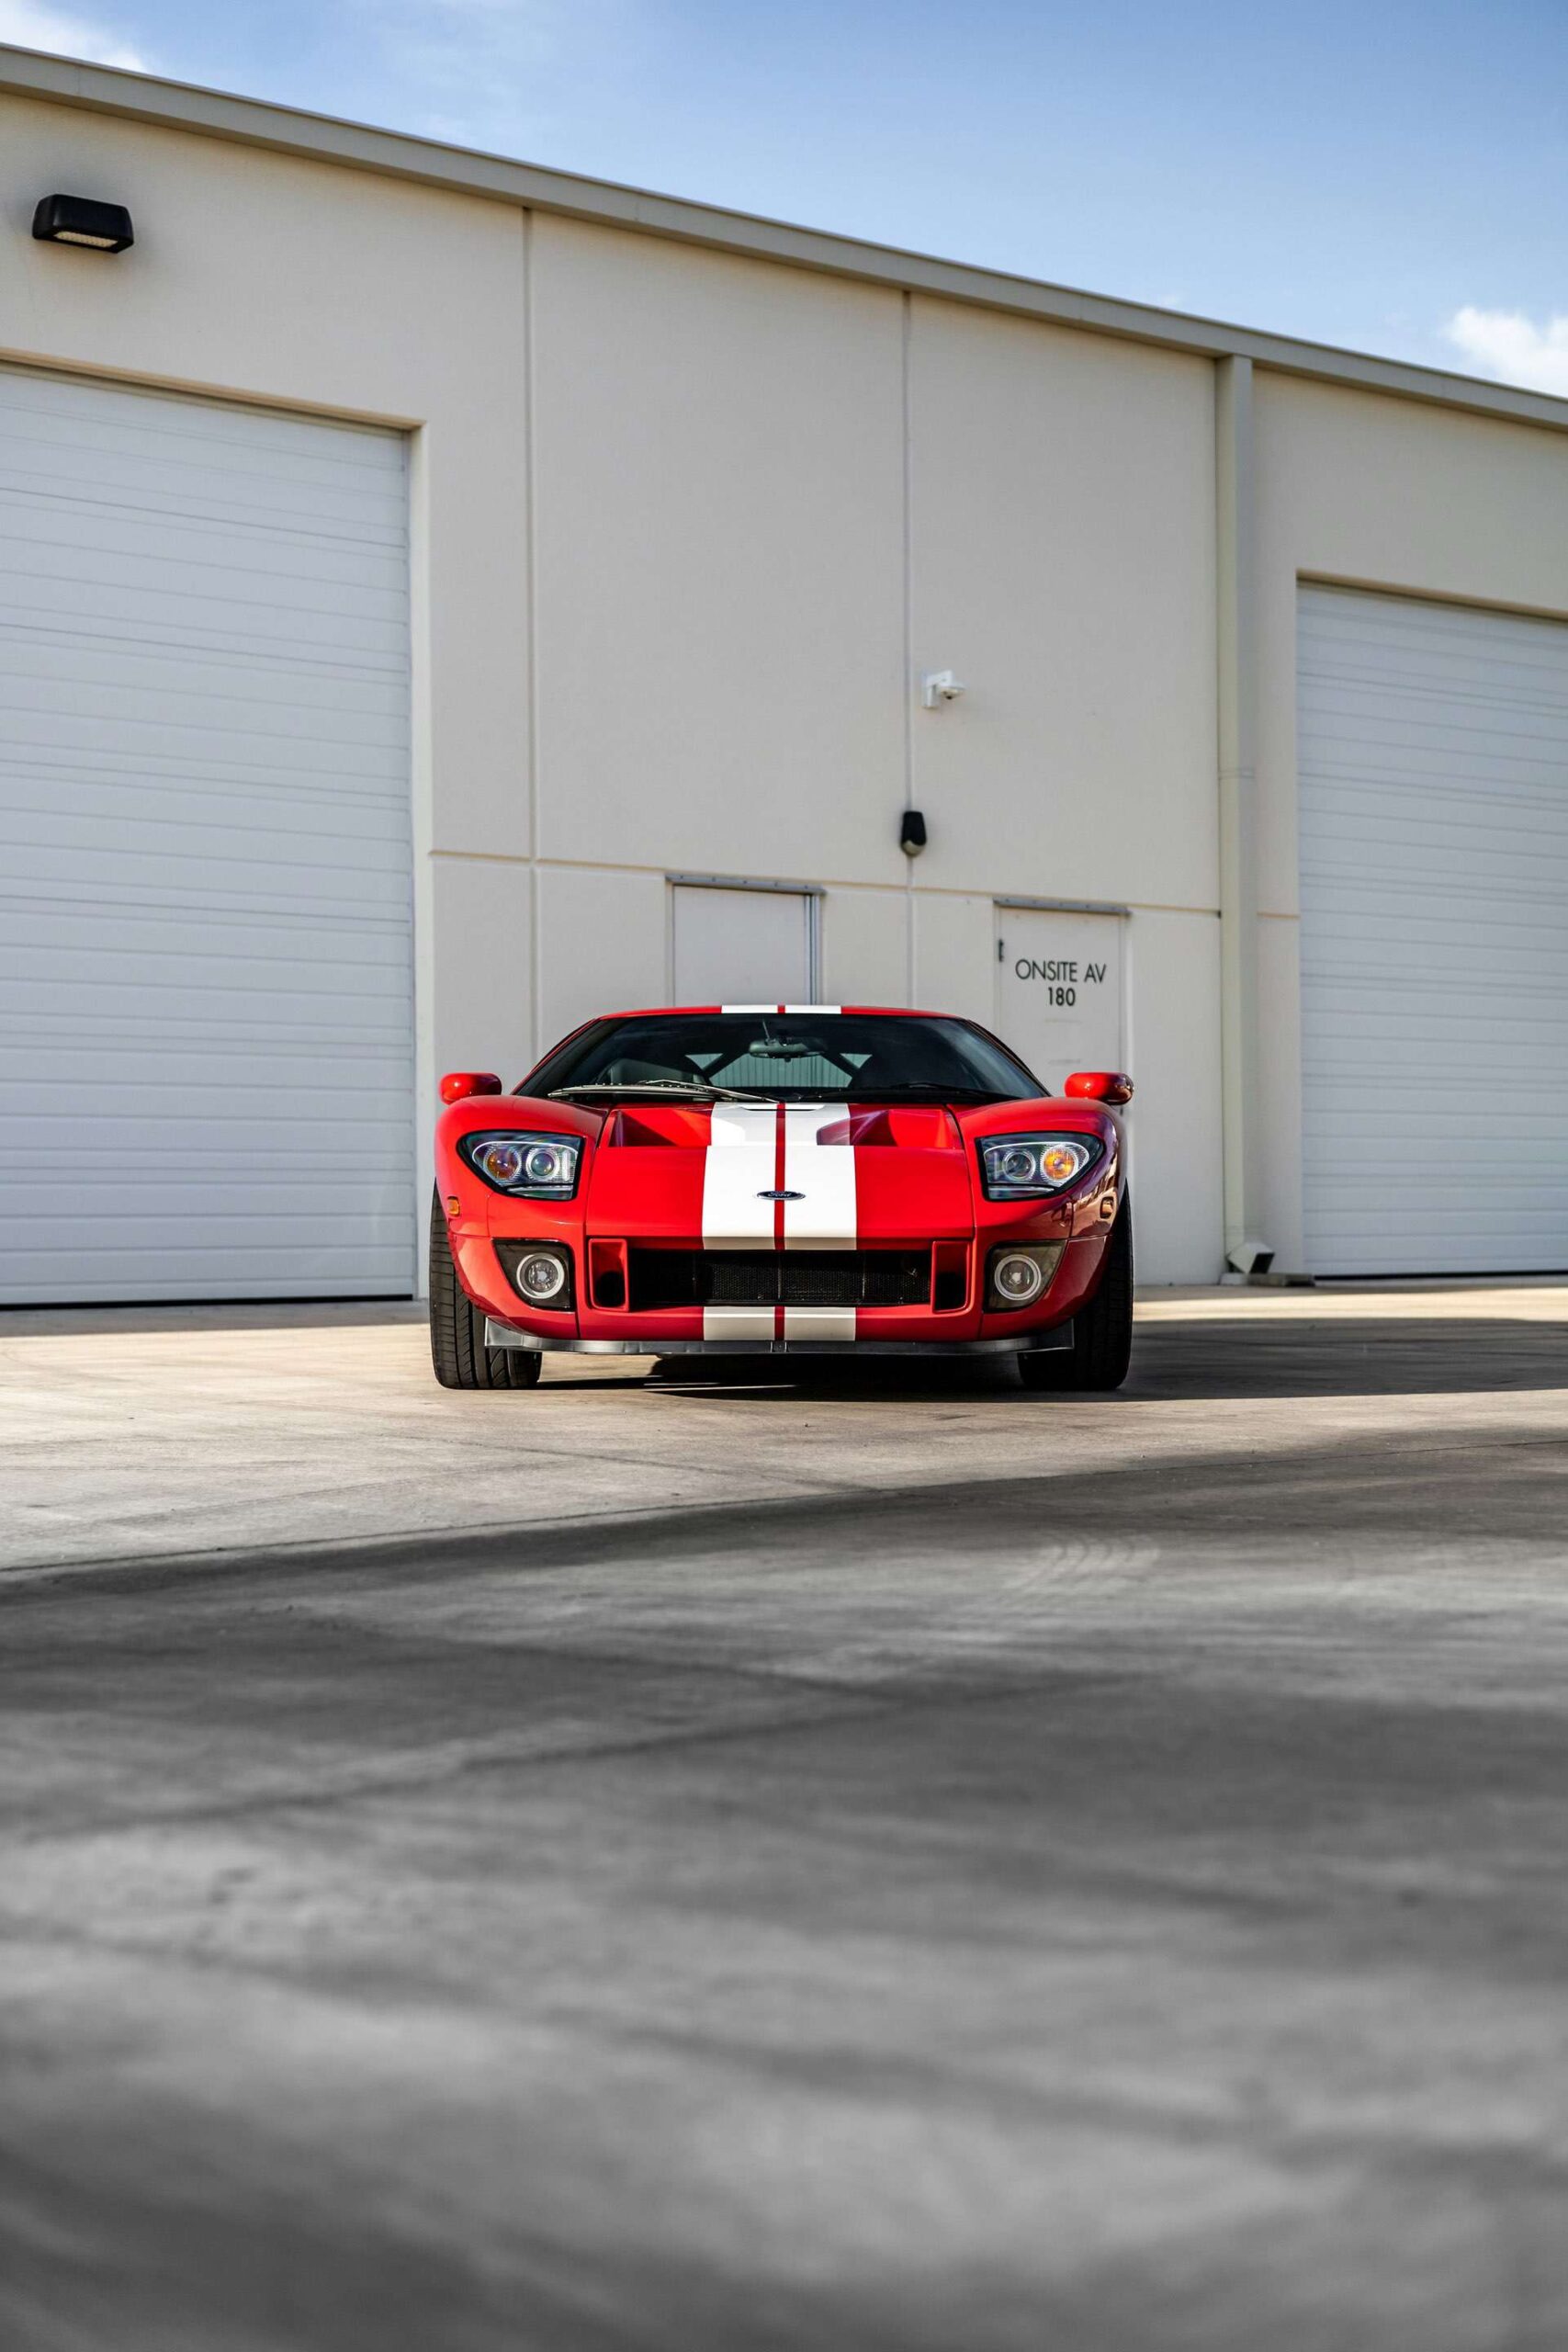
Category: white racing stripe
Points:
column 738, row 1170
column 824, row 1174
column 740, row 1175
column 828, row 1326
column 739, row 1323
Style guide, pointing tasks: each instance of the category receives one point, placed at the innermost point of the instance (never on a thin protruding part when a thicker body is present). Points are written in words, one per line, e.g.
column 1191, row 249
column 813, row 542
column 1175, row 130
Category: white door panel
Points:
column 1433, row 872
column 742, row 947
column 206, row 965
column 1059, row 990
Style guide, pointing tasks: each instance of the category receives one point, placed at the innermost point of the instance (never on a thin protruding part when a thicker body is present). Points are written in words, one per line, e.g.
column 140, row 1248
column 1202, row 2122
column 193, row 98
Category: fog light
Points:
column 541, row 1276
column 1016, row 1278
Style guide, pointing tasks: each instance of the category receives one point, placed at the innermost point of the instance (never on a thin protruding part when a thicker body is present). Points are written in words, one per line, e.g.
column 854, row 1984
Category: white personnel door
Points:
column 1059, row 990
column 206, row 956
column 742, row 947
column 1434, row 874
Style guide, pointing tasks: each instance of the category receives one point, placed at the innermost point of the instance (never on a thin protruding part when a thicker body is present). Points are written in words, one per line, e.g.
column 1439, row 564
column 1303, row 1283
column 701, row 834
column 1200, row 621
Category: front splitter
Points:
column 503, row 1335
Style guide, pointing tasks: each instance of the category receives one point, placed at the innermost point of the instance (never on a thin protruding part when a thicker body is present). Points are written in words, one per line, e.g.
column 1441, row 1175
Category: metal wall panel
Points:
column 206, row 951
column 1434, row 870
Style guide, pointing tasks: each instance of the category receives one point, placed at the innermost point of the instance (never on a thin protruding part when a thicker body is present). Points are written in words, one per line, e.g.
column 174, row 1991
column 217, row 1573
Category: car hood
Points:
column 810, row 1175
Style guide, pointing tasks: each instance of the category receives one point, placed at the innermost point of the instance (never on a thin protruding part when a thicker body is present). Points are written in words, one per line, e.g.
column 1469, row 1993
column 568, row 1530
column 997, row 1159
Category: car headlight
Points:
column 1024, row 1168
column 529, row 1167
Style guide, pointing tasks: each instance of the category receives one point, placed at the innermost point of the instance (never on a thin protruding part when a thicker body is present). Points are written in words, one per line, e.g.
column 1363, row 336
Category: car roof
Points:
column 664, row 1012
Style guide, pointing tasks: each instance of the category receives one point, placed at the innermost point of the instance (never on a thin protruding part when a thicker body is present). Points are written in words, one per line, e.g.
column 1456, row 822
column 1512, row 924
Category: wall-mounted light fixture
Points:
column 80, row 220
column 938, row 686
column 912, row 833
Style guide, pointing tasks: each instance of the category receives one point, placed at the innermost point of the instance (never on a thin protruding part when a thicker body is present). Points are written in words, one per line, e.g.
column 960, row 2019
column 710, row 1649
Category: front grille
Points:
column 661, row 1278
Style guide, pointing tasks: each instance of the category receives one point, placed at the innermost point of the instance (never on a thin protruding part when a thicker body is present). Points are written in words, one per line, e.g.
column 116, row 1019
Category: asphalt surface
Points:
column 886, row 1862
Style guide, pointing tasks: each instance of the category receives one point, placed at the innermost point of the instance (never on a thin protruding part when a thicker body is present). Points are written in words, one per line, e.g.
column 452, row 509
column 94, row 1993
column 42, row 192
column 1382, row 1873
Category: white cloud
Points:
column 493, row 73
column 27, row 24
column 1509, row 345
column 455, row 41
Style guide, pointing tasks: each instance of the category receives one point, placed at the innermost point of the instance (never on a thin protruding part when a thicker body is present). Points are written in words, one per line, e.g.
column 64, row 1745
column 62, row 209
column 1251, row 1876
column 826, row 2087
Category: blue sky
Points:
column 1392, row 175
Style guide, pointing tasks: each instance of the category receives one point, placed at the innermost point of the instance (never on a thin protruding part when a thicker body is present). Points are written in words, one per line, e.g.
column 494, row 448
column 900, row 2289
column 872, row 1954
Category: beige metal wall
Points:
column 767, row 502
column 1062, row 561
column 689, row 526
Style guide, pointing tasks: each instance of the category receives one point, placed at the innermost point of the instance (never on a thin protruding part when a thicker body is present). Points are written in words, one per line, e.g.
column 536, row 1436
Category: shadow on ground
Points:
column 1204, row 1359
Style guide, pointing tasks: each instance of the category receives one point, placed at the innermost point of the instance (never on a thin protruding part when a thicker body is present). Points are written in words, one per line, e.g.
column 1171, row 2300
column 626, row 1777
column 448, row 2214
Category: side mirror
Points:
column 1100, row 1085
column 458, row 1084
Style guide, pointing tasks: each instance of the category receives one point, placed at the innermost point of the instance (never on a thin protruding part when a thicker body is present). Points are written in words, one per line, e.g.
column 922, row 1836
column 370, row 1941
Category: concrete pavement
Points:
column 699, row 1862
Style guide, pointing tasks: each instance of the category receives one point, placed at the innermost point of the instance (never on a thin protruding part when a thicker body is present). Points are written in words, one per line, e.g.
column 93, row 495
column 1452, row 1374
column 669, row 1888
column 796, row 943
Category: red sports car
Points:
column 781, row 1179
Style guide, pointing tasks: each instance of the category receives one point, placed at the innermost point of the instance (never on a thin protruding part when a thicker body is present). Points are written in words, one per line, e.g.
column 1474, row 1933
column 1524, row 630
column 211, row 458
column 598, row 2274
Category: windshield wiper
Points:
column 696, row 1090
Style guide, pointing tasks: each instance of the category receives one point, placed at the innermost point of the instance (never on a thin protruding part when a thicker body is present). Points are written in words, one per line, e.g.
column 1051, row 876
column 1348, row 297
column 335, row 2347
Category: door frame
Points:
column 812, row 892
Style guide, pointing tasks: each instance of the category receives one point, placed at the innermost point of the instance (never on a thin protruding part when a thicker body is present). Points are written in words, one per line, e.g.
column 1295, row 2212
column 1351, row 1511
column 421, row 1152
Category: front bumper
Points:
column 506, row 1335
column 764, row 1329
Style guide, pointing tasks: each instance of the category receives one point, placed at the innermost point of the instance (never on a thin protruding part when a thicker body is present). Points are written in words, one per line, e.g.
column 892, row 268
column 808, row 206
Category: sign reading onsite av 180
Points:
column 1059, row 990
column 1061, row 975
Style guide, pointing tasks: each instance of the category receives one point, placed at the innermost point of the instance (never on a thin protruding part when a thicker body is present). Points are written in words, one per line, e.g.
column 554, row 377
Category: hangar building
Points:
column 440, row 599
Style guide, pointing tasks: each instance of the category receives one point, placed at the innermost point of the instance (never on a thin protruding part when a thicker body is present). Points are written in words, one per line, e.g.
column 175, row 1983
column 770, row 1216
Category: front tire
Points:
column 1102, row 1332
column 457, row 1347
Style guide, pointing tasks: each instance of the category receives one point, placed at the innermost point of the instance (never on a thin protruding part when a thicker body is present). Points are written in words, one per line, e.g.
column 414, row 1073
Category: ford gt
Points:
column 836, row 1181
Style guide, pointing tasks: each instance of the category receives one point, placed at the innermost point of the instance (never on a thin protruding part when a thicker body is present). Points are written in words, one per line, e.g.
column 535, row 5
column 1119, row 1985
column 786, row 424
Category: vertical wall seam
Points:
column 1237, row 728
column 908, row 553
column 530, row 635
column 424, row 945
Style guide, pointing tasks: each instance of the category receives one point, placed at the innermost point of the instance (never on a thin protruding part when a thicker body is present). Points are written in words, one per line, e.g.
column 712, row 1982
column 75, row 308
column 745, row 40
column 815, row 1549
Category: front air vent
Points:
column 664, row 1278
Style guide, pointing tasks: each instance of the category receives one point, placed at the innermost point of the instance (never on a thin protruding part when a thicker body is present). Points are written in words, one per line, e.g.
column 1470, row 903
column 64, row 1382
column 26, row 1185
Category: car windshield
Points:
column 789, row 1056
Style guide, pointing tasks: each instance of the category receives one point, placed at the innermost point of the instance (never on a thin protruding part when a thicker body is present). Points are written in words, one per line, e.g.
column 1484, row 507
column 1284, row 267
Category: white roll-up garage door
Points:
column 206, row 966
column 1434, row 874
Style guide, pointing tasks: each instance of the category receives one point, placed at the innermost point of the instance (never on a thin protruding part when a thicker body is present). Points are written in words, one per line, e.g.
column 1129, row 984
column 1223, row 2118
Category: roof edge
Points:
column 256, row 122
